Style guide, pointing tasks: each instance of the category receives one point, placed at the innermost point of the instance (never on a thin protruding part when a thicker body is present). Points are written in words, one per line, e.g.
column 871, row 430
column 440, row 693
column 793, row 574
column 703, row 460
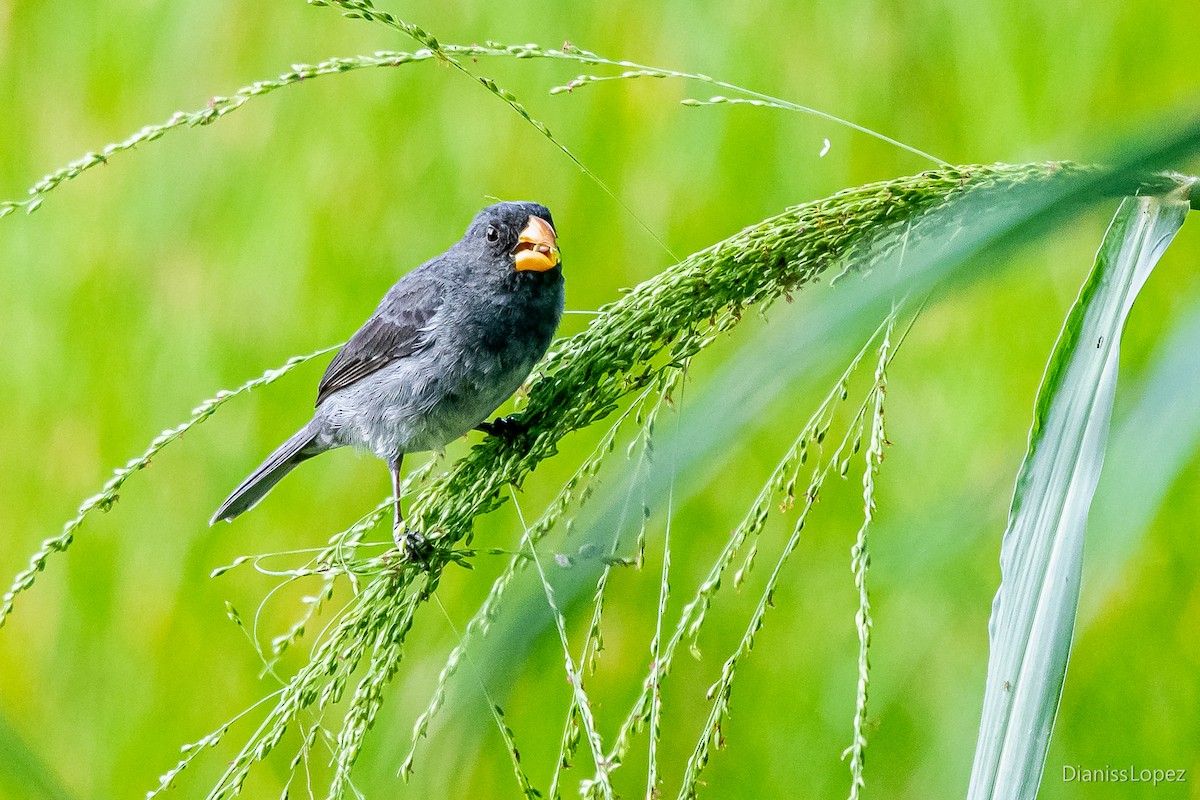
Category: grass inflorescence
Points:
column 658, row 325
column 110, row 492
column 218, row 106
column 634, row 350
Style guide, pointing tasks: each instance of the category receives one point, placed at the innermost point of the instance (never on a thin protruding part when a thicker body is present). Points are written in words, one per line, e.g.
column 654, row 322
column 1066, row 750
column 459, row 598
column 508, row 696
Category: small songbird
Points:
column 450, row 342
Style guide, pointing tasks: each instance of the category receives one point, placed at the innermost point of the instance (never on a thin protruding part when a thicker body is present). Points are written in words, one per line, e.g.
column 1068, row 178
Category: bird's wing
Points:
column 397, row 329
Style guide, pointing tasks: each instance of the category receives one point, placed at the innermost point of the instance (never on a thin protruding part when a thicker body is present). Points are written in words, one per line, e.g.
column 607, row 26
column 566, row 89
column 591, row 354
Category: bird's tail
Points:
column 300, row 447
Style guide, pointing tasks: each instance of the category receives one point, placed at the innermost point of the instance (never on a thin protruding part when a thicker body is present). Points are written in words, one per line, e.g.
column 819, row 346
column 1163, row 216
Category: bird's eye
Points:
column 492, row 233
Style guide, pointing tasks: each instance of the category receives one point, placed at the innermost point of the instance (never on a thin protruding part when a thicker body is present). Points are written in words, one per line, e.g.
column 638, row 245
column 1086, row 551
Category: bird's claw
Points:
column 507, row 428
column 415, row 547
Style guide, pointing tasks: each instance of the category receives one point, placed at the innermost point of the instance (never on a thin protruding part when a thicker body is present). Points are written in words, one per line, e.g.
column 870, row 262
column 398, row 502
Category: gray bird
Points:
column 450, row 342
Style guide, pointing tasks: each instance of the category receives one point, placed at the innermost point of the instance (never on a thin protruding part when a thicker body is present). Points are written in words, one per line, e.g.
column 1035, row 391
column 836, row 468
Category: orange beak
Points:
column 537, row 246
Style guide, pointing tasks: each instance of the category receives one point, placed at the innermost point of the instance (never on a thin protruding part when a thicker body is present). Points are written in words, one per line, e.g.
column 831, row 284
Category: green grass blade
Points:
column 1041, row 559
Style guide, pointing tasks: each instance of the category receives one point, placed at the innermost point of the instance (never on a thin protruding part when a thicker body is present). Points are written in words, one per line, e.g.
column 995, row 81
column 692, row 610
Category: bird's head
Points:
column 520, row 235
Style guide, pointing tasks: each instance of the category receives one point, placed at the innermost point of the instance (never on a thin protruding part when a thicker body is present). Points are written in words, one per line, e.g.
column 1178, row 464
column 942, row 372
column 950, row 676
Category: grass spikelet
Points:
column 860, row 560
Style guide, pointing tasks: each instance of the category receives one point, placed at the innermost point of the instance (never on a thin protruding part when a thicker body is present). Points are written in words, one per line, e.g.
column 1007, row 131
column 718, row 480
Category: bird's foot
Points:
column 415, row 547
column 507, row 428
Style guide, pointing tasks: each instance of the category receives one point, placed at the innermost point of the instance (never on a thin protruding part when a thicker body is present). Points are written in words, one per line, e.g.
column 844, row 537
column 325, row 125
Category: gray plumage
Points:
column 449, row 343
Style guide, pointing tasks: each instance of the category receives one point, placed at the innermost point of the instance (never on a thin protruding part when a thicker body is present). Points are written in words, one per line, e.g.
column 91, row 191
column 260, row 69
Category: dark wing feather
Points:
column 394, row 331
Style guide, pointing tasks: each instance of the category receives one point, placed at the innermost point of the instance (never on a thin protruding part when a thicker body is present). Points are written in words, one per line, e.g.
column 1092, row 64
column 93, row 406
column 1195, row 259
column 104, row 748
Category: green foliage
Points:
column 1033, row 619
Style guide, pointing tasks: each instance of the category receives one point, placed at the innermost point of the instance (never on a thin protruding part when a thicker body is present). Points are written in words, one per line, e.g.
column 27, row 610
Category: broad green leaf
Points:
column 1041, row 558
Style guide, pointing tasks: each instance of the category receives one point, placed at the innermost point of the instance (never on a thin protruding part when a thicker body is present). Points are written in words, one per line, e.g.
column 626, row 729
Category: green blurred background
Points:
column 204, row 258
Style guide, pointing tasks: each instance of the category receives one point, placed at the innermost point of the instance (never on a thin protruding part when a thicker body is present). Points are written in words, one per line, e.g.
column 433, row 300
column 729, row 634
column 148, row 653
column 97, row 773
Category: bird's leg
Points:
column 397, row 514
column 414, row 546
column 507, row 428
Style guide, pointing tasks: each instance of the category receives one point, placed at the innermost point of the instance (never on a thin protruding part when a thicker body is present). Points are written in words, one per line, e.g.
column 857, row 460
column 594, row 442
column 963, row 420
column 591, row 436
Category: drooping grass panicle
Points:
column 680, row 311
column 335, row 560
column 222, row 105
column 581, row 703
column 781, row 485
column 860, row 563
column 633, row 346
column 506, row 733
column 633, row 70
column 526, row 786
column 316, row 728
column 218, row 106
column 664, row 592
column 110, row 492
column 190, row 752
column 364, row 9
column 838, row 461
column 369, row 633
column 574, row 490
column 593, row 641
